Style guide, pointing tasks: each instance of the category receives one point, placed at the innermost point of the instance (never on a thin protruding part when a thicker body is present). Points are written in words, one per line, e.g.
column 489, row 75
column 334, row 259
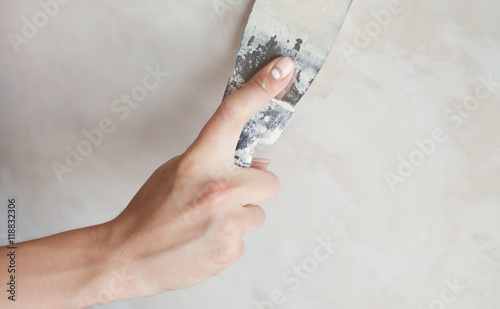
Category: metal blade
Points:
column 303, row 29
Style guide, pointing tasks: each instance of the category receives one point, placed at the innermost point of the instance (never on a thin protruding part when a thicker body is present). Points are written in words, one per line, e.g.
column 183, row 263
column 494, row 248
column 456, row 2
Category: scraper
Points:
column 304, row 30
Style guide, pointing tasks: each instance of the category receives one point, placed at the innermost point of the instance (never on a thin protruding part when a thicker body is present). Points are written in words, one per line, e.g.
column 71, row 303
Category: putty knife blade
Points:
column 304, row 30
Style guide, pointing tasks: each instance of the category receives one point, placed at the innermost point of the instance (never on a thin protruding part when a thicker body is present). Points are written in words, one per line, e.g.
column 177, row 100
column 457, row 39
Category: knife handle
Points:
column 265, row 127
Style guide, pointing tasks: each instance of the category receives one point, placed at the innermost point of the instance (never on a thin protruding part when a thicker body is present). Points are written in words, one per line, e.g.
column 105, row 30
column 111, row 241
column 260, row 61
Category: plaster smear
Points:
column 305, row 32
column 265, row 128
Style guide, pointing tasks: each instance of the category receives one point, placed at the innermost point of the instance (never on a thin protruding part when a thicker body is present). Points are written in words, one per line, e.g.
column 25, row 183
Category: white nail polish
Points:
column 276, row 74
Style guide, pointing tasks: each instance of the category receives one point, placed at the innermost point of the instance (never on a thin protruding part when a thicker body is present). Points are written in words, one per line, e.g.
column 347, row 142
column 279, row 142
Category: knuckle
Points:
column 228, row 253
column 163, row 172
column 214, row 193
column 187, row 165
column 262, row 216
column 166, row 165
column 227, row 225
column 260, row 86
column 274, row 184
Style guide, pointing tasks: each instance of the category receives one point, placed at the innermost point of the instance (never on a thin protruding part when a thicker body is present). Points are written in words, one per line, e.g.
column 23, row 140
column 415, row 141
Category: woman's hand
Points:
column 184, row 225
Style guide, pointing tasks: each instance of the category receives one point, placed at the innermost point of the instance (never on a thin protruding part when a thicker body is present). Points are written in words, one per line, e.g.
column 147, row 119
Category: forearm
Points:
column 74, row 269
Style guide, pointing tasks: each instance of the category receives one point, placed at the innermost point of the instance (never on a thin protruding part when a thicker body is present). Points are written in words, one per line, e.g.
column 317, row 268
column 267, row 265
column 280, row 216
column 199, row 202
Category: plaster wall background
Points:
column 398, row 246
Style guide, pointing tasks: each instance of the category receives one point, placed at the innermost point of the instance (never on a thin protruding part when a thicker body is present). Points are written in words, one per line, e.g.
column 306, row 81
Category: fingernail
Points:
column 261, row 161
column 261, row 164
column 282, row 68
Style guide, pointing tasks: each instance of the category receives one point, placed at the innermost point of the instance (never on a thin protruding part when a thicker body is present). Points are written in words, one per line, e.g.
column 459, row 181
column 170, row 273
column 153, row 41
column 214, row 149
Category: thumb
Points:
column 223, row 129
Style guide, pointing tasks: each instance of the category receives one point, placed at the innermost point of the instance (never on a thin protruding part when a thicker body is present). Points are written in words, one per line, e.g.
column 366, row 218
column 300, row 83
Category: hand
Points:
column 186, row 223
column 183, row 226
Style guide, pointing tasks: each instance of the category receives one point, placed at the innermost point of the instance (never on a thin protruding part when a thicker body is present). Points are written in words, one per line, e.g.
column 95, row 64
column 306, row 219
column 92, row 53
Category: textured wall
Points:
column 411, row 229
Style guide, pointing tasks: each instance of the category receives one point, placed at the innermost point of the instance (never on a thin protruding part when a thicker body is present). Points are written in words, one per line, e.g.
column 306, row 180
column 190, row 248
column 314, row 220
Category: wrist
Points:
column 116, row 277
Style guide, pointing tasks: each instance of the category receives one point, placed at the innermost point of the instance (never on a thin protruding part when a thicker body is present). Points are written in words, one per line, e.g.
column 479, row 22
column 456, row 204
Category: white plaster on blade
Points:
column 303, row 31
column 316, row 23
column 265, row 127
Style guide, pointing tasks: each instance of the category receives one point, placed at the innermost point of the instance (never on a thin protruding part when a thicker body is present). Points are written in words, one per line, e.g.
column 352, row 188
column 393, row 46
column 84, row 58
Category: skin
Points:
column 184, row 225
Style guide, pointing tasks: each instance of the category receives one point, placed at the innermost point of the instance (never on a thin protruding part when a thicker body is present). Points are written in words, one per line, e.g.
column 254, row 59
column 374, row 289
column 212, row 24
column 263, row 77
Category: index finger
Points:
column 223, row 129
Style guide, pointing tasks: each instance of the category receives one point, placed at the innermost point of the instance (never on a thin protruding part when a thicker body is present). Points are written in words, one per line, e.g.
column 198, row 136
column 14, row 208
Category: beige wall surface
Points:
column 393, row 155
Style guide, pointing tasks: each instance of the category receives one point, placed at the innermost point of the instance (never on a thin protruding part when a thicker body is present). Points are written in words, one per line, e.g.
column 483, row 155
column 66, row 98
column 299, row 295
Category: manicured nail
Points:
column 282, row 68
column 261, row 164
column 261, row 161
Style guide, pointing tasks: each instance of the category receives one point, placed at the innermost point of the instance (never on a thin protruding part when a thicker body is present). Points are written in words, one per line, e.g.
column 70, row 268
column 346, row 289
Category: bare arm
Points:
column 66, row 270
column 184, row 225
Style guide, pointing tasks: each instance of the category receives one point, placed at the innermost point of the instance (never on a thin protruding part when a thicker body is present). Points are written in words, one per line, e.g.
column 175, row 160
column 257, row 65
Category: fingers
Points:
column 255, row 186
column 254, row 218
column 240, row 221
column 224, row 128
